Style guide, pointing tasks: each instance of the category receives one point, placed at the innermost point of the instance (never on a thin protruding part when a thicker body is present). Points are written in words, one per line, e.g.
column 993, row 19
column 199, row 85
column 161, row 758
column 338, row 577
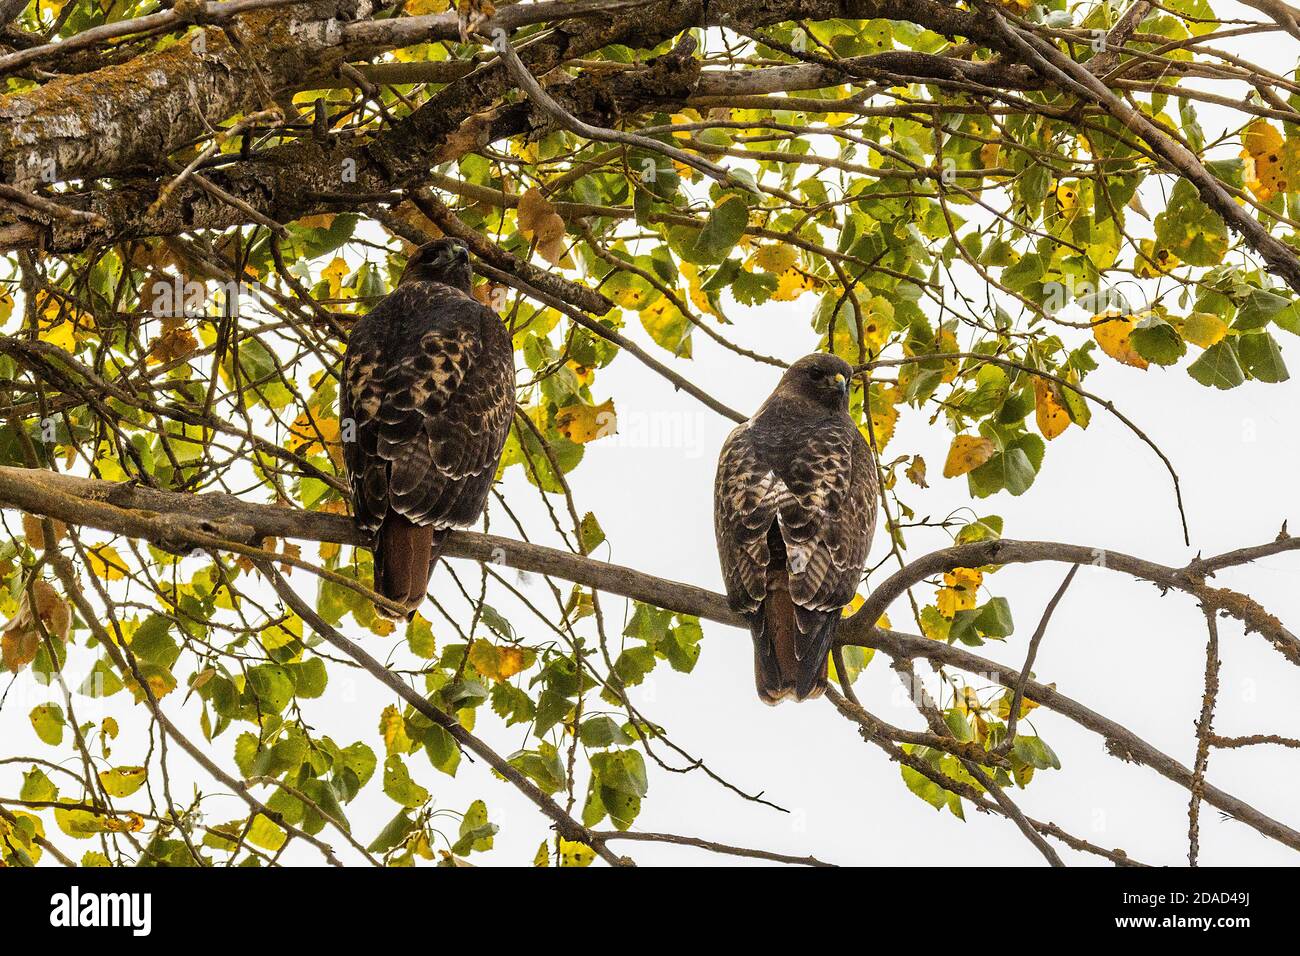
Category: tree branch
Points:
column 180, row 518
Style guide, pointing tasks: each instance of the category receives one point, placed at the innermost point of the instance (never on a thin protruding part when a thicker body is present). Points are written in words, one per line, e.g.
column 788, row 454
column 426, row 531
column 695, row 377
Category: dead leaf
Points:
column 967, row 453
column 1049, row 408
column 1112, row 331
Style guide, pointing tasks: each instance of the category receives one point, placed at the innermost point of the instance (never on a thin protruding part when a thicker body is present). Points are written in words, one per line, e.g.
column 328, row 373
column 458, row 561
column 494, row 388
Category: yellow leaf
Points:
column 699, row 298
column 1153, row 262
column 1112, row 331
column 1203, row 329
column 1003, row 706
column 946, row 341
column 334, row 273
column 266, row 834
column 967, row 453
column 82, row 824
column 668, row 327
column 498, row 662
column 585, row 374
column 1049, row 409
column 106, row 563
column 792, row 283
column 123, row 781
column 1269, row 163
column 960, row 592
column 883, row 419
column 282, row 633
column 309, row 431
column 775, row 258
column 1067, row 200
column 62, row 335
column 422, row 8
column 392, row 727
column 573, row 853
column 584, row 423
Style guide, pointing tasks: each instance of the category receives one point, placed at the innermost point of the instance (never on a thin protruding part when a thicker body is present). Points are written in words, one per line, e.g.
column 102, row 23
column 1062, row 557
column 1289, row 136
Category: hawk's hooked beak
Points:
column 842, row 384
column 460, row 254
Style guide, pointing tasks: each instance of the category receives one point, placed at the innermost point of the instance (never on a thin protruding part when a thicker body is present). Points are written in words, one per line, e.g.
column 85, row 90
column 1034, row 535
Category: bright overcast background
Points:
column 1115, row 644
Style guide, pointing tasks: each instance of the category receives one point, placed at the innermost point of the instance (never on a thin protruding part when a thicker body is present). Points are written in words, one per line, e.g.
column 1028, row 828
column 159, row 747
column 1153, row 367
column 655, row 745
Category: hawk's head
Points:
column 819, row 378
column 443, row 260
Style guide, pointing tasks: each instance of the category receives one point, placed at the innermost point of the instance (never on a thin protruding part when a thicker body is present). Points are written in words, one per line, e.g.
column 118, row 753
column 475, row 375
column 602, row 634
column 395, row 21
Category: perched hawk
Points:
column 429, row 388
column 794, row 511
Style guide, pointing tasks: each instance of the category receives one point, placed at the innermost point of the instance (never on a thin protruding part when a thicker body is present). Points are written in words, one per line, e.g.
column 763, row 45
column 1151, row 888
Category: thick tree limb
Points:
column 171, row 518
column 46, row 125
column 125, row 115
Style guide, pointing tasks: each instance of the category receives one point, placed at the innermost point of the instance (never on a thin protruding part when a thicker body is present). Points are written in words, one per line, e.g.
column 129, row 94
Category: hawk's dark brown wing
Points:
column 795, row 509
column 426, row 403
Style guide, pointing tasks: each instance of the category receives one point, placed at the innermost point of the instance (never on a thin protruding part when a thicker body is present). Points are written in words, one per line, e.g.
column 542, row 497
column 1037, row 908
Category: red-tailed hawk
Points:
column 794, row 511
column 426, row 401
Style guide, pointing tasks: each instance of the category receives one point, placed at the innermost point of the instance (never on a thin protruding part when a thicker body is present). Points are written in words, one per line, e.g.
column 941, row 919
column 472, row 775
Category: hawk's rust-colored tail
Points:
column 405, row 555
column 791, row 646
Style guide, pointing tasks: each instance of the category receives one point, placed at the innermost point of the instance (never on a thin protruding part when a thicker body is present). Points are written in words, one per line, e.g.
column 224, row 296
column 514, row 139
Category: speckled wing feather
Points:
column 427, row 397
column 828, row 516
column 795, row 510
column 745, row 505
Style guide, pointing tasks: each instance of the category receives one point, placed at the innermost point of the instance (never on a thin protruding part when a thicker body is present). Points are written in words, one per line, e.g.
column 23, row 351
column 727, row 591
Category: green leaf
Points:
column 1035, row 752
column 634, row 664
column 1262, row 358
column 37, row 786
column 1218, row 366
column 602, row 732
column 1190, row 229
column 590, row 534
column 725, row 225
column 551, row 709
column 973, row 626
column 443, row 752
column 309, row 677
column 543, row 766
column 622, row 771
column 475, row 831
column 681, row 647
column 47, row 721
column 152, row 641
column 399, row 786
column 1157, row 341
column 419, row 637
column 924, row 787
column 511, row 704
column 1013, row 469
column 271, row 686
column 393, row 833
column 1259, row 309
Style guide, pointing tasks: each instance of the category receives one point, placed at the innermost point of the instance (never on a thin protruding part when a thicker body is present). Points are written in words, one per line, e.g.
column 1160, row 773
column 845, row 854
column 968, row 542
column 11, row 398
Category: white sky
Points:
column 1115, row 644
